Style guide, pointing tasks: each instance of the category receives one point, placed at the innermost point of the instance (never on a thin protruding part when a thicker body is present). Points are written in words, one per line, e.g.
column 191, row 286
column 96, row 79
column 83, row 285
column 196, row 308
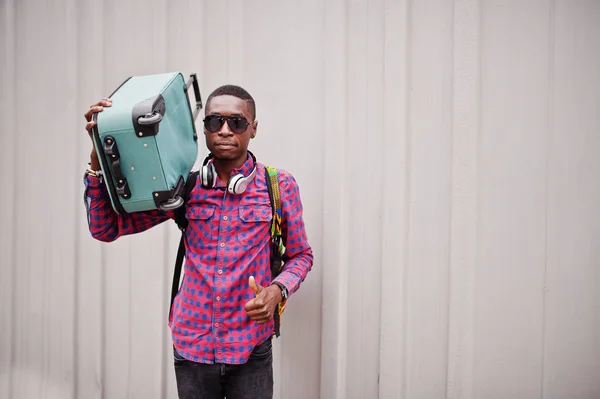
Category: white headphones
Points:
column 237, row 184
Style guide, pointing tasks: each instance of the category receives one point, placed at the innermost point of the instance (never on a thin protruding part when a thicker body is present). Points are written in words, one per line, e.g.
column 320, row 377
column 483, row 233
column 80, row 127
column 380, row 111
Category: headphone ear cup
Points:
column 212, row 175
column 237, row 184
column 208, row 176
column 203, row 177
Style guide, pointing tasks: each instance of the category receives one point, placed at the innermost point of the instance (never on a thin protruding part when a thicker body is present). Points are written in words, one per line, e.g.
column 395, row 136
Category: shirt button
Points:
column 222, row 244
column 220, row 271
column 217, row 325
column 218, row 298
column 224, row 217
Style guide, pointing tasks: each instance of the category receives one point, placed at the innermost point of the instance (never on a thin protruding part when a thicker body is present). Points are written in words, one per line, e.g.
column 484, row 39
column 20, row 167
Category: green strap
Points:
column 276, row 205
column 277, row 247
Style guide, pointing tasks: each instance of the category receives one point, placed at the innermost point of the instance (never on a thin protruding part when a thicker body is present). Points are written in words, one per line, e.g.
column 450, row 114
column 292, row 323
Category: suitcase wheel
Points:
column 171, row 204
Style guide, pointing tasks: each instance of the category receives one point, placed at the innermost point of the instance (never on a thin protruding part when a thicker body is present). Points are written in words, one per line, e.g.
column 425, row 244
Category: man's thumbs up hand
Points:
column 262, row 307
column 255, row 287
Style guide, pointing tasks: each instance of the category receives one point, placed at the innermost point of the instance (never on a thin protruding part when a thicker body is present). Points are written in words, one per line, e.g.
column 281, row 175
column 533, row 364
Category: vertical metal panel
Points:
column 45, row 235
column 90, row 283
column 8, row 177
column 464, row 201
column 363, row 141
column 395, row 224
column 334, row 256
column 429, row 209
column 573, row 256
column 445, row 152
column 512, row 187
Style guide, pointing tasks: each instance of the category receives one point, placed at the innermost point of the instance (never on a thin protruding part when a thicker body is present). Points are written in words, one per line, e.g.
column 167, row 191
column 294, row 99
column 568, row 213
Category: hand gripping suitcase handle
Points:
column 193, row 80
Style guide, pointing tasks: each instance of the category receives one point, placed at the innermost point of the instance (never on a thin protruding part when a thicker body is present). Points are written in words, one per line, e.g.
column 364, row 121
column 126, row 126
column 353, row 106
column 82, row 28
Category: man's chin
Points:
column 226, row 155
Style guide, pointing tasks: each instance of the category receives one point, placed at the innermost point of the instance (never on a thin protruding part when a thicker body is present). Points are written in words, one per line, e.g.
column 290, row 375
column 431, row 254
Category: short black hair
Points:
column 236, row 91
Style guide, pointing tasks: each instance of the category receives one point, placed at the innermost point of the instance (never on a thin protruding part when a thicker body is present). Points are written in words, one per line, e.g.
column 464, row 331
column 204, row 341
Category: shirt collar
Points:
column 245, row 169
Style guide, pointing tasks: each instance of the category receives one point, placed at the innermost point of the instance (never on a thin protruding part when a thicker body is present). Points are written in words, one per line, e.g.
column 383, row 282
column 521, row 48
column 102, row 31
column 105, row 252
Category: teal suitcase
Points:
column 147, row 142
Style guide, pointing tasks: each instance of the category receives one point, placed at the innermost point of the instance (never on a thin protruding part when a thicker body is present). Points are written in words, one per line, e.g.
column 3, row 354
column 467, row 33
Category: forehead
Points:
column 227, row 105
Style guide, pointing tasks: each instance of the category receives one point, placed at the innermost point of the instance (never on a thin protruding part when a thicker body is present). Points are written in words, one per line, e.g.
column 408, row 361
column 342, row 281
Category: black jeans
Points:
column 252, row 380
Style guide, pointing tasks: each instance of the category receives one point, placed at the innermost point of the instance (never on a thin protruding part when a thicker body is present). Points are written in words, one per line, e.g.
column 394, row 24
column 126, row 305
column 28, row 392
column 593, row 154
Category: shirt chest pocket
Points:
column 255, row 225
column 200, row 223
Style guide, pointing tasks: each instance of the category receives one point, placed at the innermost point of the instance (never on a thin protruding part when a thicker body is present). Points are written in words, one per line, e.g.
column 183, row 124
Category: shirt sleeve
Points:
column 107, row 225
column 298, row 251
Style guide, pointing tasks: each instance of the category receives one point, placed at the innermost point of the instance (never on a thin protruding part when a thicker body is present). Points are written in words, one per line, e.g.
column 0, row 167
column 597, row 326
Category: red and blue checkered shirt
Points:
column 226, row 242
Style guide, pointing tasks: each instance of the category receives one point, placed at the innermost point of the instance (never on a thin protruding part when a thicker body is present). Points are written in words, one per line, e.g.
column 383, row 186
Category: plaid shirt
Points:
column 227, row 241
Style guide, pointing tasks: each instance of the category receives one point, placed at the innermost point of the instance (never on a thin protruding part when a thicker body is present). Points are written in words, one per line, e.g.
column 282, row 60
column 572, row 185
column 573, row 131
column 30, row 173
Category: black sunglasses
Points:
column 237, row 124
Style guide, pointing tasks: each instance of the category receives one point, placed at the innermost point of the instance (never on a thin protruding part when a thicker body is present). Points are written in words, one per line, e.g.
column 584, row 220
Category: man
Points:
column 222, row 317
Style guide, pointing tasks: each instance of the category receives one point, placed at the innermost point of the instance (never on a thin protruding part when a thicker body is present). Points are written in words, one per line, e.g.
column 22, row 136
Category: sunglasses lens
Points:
column 238, row 124
column 213, row 123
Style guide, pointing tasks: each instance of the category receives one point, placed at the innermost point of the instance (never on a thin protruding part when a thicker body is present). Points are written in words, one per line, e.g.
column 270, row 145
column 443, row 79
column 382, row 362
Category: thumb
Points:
column 255, row 287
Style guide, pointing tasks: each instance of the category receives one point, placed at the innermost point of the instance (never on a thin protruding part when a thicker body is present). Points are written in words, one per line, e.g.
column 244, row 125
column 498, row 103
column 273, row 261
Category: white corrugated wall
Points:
column 447, row 154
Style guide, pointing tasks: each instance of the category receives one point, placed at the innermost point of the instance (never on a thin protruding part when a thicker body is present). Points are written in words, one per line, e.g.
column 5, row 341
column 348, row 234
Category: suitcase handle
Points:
column 112, row 152
column 193, row 80
column 150, row 119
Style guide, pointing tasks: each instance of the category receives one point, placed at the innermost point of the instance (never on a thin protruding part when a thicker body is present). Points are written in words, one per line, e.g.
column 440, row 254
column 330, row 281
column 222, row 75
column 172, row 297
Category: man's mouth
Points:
column 224, row 145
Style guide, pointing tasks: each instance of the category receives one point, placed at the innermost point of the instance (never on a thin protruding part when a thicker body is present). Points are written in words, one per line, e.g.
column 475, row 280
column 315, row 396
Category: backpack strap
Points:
column 182, row 222
column 277, row 246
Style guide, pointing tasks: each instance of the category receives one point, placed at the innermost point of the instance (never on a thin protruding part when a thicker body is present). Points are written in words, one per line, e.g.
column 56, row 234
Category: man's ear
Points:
column 254, row 129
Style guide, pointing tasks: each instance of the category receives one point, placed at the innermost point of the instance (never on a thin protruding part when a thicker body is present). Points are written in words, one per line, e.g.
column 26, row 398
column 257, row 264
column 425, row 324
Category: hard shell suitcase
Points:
column 147, row 142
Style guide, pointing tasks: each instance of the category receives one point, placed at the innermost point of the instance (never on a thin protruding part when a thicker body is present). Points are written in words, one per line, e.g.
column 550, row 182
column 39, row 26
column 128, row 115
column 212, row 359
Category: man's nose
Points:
column 225, row 131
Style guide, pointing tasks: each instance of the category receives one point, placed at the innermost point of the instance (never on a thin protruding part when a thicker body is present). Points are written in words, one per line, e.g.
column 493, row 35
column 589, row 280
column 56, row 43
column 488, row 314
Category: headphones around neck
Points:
column 237, row 184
